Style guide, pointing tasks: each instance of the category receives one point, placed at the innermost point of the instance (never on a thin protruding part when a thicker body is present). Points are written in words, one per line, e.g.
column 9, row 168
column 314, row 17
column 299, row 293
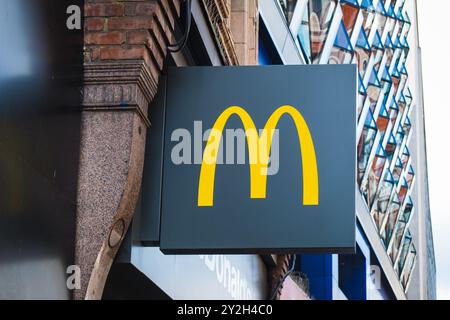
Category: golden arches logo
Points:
column 259, row 152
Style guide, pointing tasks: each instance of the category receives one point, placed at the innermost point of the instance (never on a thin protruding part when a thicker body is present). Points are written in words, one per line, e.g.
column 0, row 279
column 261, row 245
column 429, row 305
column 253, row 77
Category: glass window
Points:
column 403, row 253
column 390, row 147
column 407, row 212
column 288, row 8
column 396, row 240
column 362, row 93
column 368, row 15
column 365, row 145
column 397, row 170
column 400, row 134
column 410, row 176
column 370, row 187
column 400, row 230
column 320, row 15
column 407, row 126
column 405, row 156
column 383, row 121
column 350, row 10
column 342, row 51
column 409, row 266
column 382, row 200
column 391, row 220
column 303, row 36
column 403, row 191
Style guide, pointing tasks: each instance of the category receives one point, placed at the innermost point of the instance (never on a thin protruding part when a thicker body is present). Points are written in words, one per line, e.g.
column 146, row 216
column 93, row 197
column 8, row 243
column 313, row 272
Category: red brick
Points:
column 104, row 9
column 129, row 23
column 95, row 54
column 119, row 53
column 114, row 37
column 130, row 9
column 94, row 24
column 138, row 37
column 145, row 9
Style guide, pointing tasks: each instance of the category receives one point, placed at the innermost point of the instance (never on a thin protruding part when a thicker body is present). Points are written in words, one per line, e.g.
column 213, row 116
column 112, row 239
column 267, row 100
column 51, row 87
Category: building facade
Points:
column 381, row 37
column 126, row 48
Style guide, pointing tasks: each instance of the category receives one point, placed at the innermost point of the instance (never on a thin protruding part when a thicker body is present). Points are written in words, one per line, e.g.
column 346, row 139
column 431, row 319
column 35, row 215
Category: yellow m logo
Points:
column 259, row 152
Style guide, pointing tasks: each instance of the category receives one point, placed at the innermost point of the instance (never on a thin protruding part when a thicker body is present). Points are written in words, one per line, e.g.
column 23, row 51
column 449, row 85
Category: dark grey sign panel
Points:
column 309, row 204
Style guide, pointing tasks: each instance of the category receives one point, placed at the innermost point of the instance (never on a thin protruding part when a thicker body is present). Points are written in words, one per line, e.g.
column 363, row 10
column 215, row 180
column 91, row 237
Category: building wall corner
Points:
column 124, row 51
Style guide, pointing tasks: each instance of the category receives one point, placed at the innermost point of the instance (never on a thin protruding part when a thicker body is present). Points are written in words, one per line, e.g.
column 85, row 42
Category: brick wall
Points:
column 124, row 50
column 130, row 30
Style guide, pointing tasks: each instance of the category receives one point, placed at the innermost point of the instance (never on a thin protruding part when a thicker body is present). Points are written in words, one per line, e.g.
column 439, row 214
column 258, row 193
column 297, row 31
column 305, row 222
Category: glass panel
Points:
column 407, row 126
column 365, row 145
column 362, row 93
column 389, row 50
column 391, row 11
column 382, row 201
column 362, row 59
column 303, row 35
column 342, row 50
column 386, row 76
column 362, row 51
column 392, row 215
column 342, row 38
column 390, row 147
column 410, row 177
column 405, row 157
column 368, row 15
column 377, row 43
column 376, row 169
column 400, row 229
column 350, row 13
column 403, row 191
column 396, row 240
column 409, row 266
column 393, row 111
column 383, row 121
column 401, row 24
column 400, row 134
column 288, row 8
column 320, row 15
column 403, row 253
column 397, row 170
column 407, row 212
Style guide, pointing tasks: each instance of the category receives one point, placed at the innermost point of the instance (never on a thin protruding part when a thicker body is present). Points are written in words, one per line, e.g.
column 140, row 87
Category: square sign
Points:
column 259, row 160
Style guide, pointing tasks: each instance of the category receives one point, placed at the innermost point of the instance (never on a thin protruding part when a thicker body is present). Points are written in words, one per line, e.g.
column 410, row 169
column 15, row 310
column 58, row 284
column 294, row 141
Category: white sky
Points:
column 434, row 25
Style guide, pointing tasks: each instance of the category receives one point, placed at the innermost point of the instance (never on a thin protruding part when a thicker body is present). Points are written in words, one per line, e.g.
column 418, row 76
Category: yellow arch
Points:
column 259, row 152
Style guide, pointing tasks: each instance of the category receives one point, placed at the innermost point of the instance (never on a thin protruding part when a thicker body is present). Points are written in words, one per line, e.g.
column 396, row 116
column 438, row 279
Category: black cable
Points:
column 177, row 47
column 280, row 283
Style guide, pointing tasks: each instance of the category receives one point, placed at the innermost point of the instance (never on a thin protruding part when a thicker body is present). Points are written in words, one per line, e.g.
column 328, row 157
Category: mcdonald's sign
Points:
column 208, row 206
column 259, row 150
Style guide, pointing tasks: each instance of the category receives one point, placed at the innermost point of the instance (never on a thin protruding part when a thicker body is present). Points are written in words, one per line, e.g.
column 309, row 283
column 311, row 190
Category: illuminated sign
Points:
column 254, row 160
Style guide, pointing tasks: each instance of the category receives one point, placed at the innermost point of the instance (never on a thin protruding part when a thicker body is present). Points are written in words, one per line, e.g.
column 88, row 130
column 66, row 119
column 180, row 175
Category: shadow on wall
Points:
column 40, row 78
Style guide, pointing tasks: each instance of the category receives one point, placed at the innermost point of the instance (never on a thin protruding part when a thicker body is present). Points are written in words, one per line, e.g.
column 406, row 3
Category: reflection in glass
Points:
column 362, row 52
column 382, row 200
column 288, row 8
column 409, row 266
column 303, row 36
column 365, row 145
column 390, row 147
column 321, row 13
column 391, row 219
column 403, row 253
column 397, row 170
column 350, row 13
column 342, row 51
column 370, row 187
